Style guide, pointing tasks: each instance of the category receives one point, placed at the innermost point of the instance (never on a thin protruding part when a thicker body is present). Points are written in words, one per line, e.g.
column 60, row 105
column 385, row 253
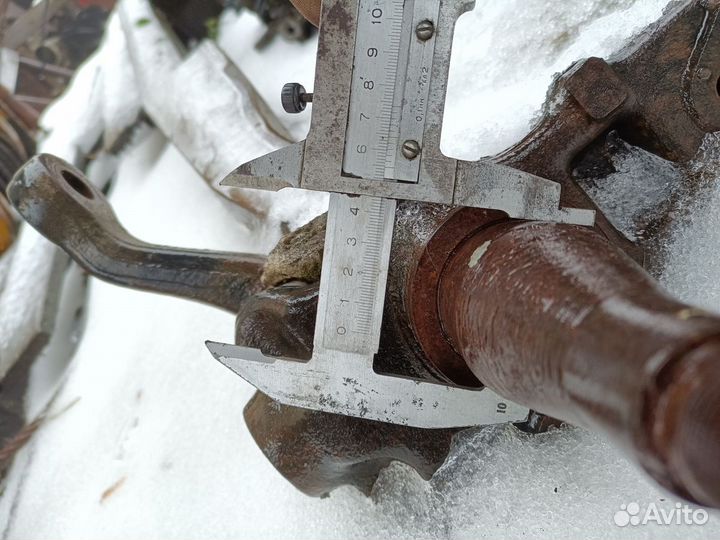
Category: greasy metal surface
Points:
column 319, row 452
column 63, row 206
column 554, row 317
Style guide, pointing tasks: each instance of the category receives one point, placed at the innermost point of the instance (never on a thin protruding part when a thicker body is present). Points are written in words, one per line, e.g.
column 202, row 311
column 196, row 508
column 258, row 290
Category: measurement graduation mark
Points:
column 370, row 267
column 390, row 88
column 377, row 63
column 354, row 273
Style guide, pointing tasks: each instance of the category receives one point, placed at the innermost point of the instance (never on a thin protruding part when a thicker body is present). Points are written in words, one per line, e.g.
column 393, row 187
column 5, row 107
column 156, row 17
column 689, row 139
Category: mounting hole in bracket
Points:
column 77, row 184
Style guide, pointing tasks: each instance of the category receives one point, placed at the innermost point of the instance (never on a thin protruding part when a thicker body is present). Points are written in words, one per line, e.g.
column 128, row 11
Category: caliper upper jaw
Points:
column 272, row 172
column 479, row 184
column 490, row 185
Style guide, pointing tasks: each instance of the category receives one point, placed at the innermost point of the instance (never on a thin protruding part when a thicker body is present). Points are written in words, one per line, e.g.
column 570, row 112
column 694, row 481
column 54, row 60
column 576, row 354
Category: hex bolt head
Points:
column 294, row 98
column 425, row 30
column 410, row 149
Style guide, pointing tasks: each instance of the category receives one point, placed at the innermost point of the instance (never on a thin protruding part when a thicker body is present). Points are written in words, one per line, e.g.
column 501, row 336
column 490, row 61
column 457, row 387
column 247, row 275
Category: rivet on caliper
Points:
column 425, row 30
column 410, row 149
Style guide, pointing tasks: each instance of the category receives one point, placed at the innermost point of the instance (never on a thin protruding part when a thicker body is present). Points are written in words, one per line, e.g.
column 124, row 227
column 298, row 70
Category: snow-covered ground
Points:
column 156, row 446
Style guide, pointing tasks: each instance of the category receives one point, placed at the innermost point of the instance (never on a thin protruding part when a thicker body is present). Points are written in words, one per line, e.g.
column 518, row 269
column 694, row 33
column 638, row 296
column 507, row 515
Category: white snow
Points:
column 30, row 275
column 505, row 56
column 159, row 419
column 104, row 100
column 691, row 251
column 280, row 62
column 628, row 208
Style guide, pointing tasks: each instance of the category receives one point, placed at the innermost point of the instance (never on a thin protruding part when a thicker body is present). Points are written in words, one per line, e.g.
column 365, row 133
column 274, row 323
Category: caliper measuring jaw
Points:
column 375, row 138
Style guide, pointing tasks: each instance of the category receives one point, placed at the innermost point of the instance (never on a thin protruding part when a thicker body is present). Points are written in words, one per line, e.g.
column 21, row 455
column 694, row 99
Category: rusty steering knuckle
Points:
column 560, row 318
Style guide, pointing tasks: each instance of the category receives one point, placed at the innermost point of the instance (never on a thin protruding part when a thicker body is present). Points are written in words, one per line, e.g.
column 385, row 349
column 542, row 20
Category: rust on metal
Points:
column 554, row 317
column 659, row 92
column 419, row 289
column 596, row 88
column 319, row 452
column 7, row 227
column 56, row 199
column 310, row 9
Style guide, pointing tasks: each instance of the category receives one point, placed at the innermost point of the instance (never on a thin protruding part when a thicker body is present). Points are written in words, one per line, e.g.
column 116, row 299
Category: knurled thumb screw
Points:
column 294, row 98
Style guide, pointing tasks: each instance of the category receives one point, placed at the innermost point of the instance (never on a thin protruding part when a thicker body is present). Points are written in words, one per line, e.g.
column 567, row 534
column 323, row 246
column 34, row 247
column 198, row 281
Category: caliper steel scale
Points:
column 375, row 138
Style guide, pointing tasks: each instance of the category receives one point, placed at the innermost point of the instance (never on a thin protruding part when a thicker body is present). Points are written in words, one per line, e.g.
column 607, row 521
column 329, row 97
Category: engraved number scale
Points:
column 359, row 231
column 389, row 90
column 379, row 120
column 354, row 274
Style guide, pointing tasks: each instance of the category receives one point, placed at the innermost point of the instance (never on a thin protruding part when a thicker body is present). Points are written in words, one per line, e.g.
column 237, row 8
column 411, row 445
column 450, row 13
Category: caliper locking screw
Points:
column 410, row 149
column 294, row 98
column 425, row 30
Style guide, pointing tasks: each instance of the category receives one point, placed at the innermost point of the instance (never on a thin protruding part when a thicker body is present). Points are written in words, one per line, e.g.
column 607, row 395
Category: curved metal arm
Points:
column 58, row 201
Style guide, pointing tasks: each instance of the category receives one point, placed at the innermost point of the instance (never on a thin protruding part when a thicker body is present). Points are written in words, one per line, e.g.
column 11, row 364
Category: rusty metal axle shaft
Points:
column 554, row 317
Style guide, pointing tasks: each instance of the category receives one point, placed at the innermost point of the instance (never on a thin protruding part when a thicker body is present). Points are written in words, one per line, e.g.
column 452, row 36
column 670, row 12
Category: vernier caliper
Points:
column 378, row 103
